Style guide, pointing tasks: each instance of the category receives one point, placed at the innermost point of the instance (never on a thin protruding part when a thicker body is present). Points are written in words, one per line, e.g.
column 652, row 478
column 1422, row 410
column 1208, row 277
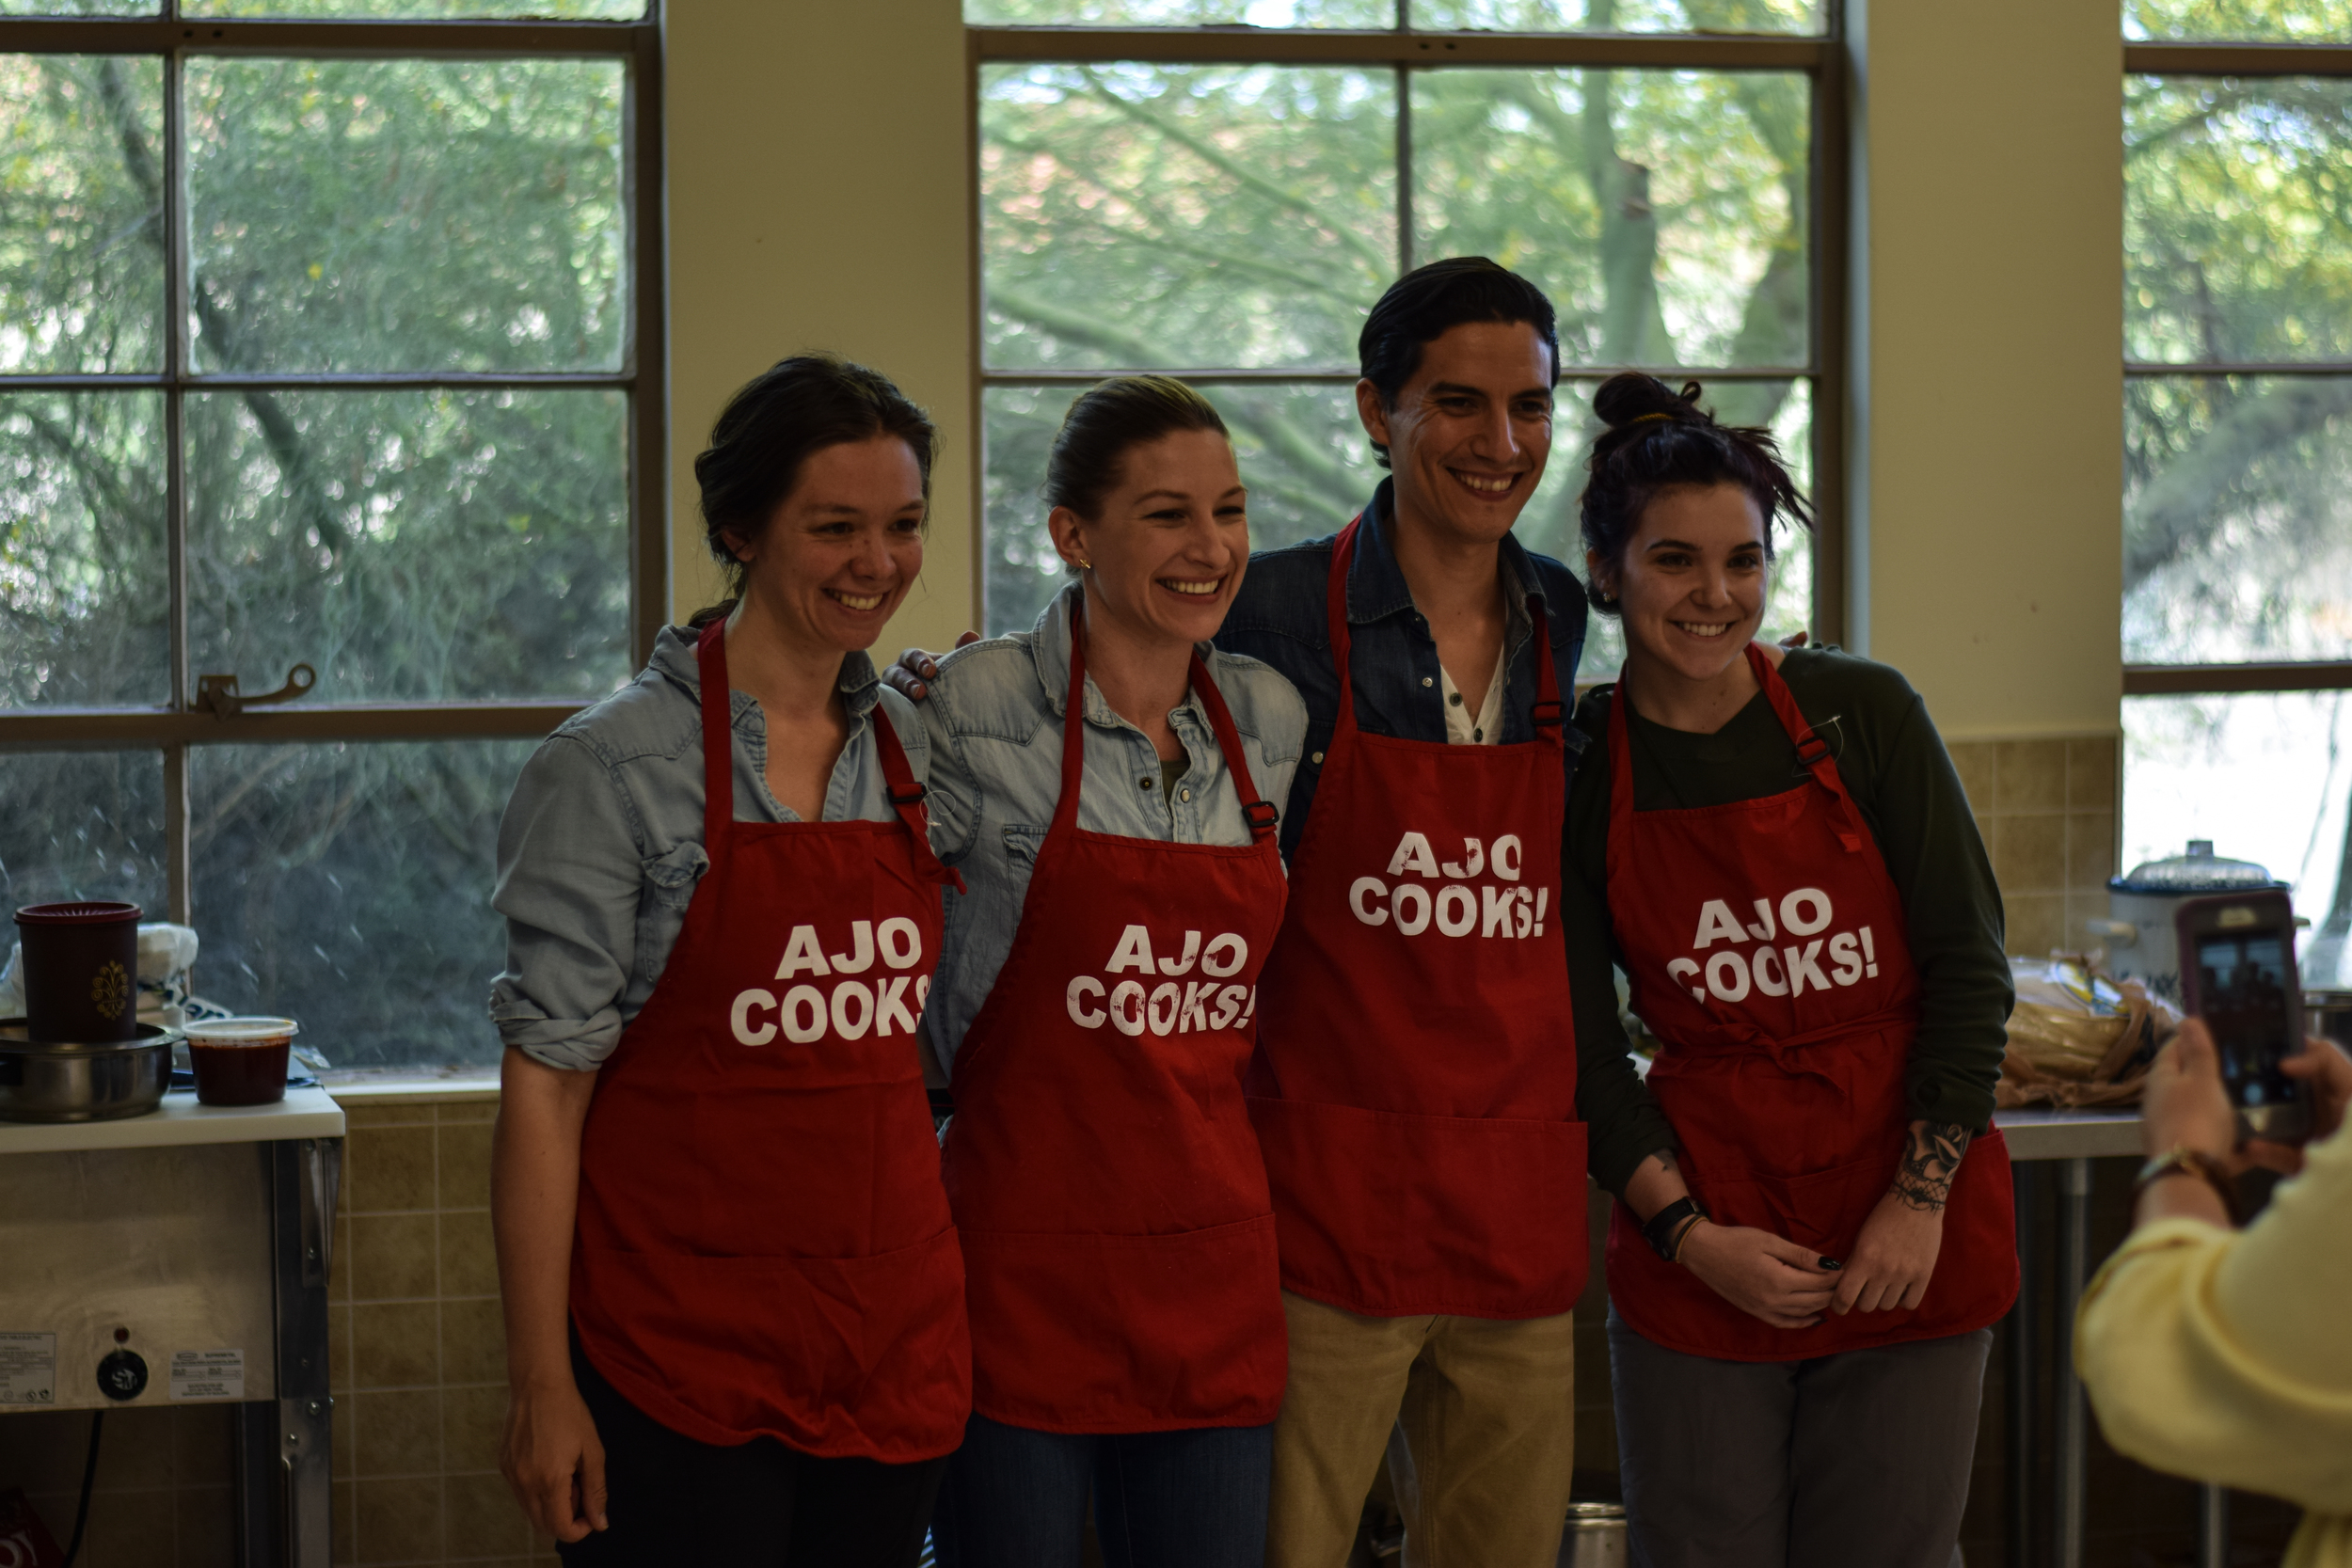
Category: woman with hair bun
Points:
column 1103, row 783
column 734, row 1299
column 1803, row 1282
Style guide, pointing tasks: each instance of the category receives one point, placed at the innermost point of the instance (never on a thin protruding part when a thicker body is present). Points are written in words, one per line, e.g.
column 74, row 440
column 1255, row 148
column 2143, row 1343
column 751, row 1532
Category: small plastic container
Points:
column 81, row 972
column 241, row 1061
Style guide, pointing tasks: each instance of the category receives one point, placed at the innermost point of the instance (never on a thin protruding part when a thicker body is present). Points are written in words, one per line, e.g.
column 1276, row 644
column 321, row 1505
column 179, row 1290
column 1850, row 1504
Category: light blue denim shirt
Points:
column 995, row 715
column 601, row 846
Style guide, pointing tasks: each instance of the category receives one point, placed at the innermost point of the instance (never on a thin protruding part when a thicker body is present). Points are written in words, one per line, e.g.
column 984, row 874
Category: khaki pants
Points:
column 1485, row 1413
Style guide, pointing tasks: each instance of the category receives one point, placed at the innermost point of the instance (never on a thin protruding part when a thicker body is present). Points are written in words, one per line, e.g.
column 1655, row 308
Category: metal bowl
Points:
column 48, row 1082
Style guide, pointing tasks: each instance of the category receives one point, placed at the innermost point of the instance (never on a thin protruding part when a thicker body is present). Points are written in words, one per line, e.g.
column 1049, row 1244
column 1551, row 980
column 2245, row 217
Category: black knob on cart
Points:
column 122, row 1376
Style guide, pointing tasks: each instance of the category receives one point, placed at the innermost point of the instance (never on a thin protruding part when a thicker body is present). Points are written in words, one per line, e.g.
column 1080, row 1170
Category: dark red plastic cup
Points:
column 81, row 972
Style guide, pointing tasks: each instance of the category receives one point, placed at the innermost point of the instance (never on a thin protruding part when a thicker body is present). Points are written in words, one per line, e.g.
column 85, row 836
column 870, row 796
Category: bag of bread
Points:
column 2077, row 1038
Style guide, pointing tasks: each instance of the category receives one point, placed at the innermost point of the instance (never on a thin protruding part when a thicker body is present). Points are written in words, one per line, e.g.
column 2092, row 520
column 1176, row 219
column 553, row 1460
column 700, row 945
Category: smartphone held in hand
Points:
column 2238, row 974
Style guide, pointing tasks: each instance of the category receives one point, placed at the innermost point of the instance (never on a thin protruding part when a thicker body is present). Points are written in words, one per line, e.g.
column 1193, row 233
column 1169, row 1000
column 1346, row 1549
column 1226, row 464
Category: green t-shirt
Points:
column 1902, row 780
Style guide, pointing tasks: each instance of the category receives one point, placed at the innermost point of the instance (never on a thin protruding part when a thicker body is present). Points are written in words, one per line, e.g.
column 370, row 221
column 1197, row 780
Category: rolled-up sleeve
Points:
column 2222, row 1354
column 569, row 884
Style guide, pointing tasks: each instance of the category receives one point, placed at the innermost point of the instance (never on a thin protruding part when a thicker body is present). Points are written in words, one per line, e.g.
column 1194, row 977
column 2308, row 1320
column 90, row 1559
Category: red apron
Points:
column 1119, row 1242
column 764, row 1247
column 1415, row 1087
column 1764, row 944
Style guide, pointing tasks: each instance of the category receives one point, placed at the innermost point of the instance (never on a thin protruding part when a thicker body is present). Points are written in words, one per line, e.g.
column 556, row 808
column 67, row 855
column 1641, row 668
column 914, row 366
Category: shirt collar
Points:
column 1377, row 588
column 1049, row 649
column 674, row 658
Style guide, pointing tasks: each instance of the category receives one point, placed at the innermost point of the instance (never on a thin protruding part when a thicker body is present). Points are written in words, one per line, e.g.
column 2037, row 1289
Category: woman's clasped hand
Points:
column 1764, row 1276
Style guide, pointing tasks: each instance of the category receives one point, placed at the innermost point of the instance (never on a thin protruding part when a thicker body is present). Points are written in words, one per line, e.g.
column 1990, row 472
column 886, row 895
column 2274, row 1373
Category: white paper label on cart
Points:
column 208, row 1374
column 29, row 1369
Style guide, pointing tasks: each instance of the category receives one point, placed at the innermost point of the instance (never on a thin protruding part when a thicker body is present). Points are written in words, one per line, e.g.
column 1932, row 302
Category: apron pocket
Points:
column 1393, row 1215
column 1096, row 1333
column 835, row 1356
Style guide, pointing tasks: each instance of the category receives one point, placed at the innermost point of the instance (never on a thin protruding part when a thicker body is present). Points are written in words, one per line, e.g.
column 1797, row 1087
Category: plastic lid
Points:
column 83, row 913
column 2199, row 871
column 241, row 1031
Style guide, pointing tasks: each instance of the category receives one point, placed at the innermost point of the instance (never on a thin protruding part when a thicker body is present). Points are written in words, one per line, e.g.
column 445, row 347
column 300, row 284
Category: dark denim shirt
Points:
column 1280, row 617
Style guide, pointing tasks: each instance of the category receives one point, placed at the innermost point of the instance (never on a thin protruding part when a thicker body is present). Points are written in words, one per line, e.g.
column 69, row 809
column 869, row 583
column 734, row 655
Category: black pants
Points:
column 1857, row 1460
column 1192, row 1498
column 676, row 1503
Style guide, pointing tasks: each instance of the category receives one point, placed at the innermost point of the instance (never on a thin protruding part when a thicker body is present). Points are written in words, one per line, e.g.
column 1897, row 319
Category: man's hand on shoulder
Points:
column 913, row 669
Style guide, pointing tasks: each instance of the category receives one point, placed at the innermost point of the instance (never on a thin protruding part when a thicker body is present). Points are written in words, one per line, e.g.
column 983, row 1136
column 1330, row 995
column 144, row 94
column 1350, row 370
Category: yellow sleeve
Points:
column 2224, row 1354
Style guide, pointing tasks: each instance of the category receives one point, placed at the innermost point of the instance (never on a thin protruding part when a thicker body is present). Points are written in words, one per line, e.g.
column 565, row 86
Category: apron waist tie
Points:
column 1789, row 1051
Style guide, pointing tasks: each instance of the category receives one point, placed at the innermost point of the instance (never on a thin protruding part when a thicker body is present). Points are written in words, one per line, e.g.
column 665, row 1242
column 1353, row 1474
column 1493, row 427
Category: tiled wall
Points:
column 2048, row 809
column 420, row 1368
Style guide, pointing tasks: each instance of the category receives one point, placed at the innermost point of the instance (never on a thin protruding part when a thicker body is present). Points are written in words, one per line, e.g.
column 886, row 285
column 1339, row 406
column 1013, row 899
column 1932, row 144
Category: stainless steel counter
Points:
column 2041, row 1134
column 2069, row 1141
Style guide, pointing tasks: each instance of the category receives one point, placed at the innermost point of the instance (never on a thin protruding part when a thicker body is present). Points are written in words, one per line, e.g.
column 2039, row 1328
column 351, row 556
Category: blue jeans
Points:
column 1017, row 1499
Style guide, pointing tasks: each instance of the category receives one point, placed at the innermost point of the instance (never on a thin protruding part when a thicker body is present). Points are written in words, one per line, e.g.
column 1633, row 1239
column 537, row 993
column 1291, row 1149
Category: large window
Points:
column 1220, row 190
column 2237, row 329
column 328, row 337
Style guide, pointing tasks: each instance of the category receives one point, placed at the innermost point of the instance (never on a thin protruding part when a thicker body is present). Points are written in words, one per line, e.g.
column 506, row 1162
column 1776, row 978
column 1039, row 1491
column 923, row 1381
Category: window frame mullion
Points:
column 174, row 728
column 2172, row 60
column 179, row 853
column 1406, row 259
column 1820, row 58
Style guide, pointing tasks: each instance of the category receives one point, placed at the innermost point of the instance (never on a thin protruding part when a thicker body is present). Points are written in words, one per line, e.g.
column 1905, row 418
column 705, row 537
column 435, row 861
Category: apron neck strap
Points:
column 1262, row 814
column 906, row 794
column 1074, row 721
column 1620, row 763
column 1335, row 601
column 1811, row 752
column 1550, row 714
column 711, row 659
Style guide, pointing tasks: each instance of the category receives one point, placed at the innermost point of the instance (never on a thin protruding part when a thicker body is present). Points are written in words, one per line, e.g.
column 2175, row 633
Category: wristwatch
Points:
column 2184, row 1160
column 1665, row 1229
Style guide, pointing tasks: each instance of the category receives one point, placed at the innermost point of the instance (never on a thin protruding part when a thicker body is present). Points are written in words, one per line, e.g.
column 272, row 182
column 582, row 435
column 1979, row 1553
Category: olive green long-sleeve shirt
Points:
column 1902, row 780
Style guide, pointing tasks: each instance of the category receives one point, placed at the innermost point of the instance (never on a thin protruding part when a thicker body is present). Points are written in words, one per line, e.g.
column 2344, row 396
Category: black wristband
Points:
column 1661, row 1229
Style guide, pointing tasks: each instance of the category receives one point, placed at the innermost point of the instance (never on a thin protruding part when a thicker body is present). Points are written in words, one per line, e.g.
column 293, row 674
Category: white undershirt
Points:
column 1461, row 727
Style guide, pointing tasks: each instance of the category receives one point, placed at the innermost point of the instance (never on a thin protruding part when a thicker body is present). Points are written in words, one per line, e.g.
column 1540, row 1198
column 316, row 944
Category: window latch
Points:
column 218, row 696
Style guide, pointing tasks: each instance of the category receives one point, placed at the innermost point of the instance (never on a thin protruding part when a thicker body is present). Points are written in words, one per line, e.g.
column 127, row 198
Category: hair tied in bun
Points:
column 1629, row 470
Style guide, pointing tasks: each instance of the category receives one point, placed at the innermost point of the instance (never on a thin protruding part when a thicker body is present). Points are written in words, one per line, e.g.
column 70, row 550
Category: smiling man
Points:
column 1415, row 1087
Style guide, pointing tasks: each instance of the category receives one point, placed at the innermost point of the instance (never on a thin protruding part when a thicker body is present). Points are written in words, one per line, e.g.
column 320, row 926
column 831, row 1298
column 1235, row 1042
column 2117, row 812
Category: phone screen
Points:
column 2243, row 993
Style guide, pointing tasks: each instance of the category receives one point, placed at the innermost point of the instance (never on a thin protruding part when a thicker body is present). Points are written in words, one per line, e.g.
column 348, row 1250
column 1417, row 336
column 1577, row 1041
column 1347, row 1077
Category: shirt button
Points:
column 1455, row 699
column 1318, row 759
column 1184, row 795
column 1145, row 782
column 1426, row 681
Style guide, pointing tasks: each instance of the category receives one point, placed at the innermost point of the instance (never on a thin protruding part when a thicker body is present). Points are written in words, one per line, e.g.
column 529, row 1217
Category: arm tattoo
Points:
column 1931, row 1156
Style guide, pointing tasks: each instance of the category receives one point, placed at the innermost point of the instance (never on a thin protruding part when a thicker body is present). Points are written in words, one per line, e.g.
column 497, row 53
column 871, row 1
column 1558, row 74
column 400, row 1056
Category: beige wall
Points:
column 819, row 190
column 1988, row 345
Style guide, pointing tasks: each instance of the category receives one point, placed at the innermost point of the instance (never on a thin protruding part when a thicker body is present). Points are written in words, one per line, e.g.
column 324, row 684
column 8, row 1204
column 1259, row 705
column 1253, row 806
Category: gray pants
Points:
column 1860, row 1458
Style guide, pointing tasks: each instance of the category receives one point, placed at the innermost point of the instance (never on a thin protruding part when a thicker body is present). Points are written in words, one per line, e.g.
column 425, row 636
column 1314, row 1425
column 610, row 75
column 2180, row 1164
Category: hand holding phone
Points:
column 2329, row 1071
column 2238, row 974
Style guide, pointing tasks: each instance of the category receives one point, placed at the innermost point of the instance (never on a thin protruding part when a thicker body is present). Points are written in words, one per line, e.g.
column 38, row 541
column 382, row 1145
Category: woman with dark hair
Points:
column 734, row 1299
column 1102, row 782
column 1801, row 1285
